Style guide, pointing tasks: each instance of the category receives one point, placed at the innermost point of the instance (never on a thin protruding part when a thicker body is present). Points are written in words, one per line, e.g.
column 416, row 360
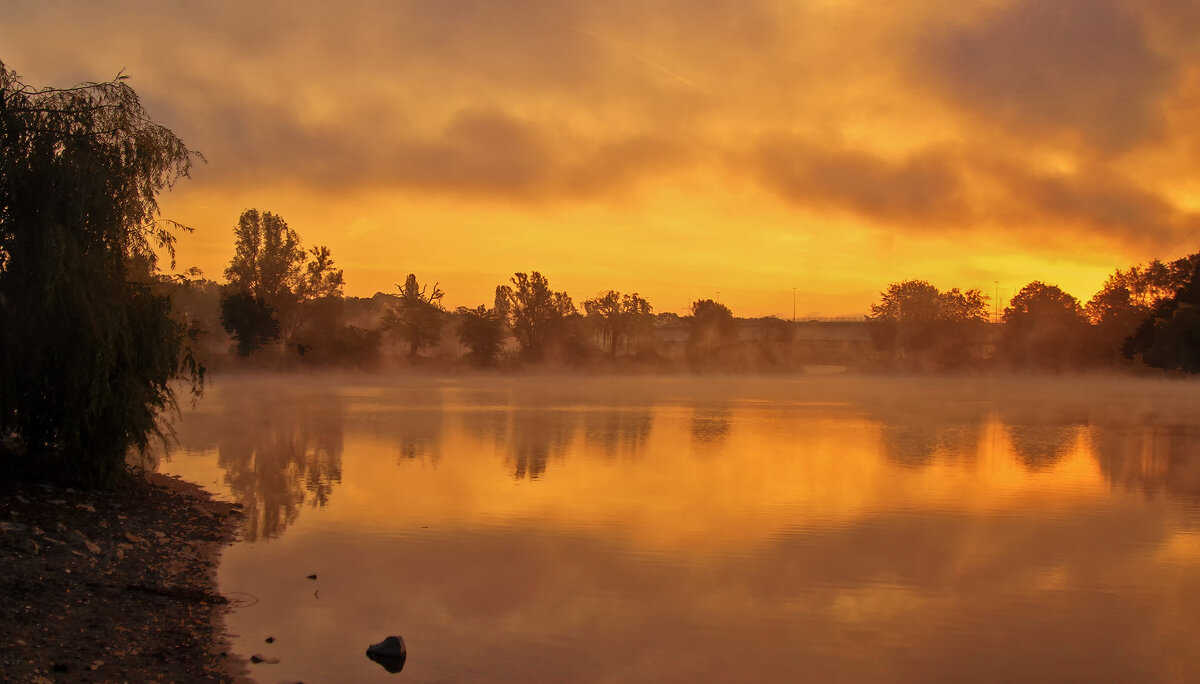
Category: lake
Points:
column 708, row 529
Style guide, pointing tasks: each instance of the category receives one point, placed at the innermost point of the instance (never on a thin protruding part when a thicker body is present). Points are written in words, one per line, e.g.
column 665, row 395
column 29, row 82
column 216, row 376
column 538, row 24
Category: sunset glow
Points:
column 673, row 149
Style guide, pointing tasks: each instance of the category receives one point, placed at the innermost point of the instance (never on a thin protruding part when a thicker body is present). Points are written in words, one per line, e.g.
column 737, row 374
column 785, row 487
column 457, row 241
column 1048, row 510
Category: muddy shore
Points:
column 115, row 586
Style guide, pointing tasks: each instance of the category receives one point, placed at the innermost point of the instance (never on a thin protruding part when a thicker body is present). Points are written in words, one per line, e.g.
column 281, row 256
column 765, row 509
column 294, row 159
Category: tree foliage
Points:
column 537, row 314
column 481, row 331
column 267, row 259
column 1140, row 288
column 919, row 324
column 1170, row 337
column 917, row 301
column 1043, row 327
column 87, row 346
column 418, row 315
column 1130, row 297
column 321, row 280
column 617, row 318
column 250, row 320
column 710, row 325
column 270, row 264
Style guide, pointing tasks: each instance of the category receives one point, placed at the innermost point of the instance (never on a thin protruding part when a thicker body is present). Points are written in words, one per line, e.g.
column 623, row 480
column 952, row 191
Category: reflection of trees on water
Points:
column 417, row 432
column 278, row 455
column 912, row 446
column 617, row 430
column 537, row 436
column 1150, row 458
column 1041, row 435
column 711, row 424
column 411, row 418
column 1040, row 447
column 486, row 425
column 912, row 436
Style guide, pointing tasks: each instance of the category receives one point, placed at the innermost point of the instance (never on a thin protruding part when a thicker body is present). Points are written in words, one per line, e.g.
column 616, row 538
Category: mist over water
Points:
column 567, row 529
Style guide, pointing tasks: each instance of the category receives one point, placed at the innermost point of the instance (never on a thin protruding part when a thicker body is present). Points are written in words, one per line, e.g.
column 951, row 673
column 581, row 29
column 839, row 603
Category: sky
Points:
column 775, row 156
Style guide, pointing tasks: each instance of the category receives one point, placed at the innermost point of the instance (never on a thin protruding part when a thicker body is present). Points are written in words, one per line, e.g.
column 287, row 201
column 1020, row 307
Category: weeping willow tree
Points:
column 88, row 349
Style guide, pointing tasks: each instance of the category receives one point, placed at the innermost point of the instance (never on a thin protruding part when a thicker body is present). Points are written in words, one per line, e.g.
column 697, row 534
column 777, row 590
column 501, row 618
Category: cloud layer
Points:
column 1071, row 118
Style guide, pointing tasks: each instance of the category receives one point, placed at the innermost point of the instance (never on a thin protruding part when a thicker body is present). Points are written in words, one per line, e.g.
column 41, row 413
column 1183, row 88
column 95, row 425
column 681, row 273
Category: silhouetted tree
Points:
column 267, row 260
column 710, row 328
column 1043, row 327
column 618, row 317
column 1130, row 297
column 710, row 323
column 196, row 302
column 917, row 323
column 774, row 337
column 537, row 314
column 326, row 339
column 418, row 316
column 249, row 319
column 321, row 280
column 87, row 346
column 1170, row 337
column 481, row 331
column 269, row 263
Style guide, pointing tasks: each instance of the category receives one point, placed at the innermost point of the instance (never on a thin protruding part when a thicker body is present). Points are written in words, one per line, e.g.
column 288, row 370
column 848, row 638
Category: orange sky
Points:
column 672, row 148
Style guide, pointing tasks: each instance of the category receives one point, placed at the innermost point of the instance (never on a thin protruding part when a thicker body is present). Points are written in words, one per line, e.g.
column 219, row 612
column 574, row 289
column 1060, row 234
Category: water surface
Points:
column 709, row 529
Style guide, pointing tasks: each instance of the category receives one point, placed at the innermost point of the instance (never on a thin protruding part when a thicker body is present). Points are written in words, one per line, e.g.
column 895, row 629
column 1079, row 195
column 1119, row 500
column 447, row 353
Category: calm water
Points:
column 709, row 530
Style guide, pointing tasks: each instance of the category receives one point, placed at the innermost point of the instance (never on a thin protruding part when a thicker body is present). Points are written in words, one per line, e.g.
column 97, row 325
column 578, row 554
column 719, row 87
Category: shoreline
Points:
column 116, row 585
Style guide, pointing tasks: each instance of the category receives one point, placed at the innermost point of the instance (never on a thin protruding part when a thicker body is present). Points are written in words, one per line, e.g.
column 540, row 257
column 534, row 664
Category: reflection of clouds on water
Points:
column 937, row 596
column 955, row 538
column 278, row 453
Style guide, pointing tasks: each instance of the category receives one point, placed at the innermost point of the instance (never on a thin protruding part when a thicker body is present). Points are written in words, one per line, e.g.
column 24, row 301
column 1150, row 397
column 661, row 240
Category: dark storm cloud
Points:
column 1082, row 67
column 924, row 189
column 479, row 152
column 1093, row 201
column 944, row 189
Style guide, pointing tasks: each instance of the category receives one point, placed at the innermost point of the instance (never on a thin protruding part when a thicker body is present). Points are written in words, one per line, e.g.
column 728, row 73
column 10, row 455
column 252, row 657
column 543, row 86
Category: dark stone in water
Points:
column 256, row 659
column 312, row 577
column 389, row 653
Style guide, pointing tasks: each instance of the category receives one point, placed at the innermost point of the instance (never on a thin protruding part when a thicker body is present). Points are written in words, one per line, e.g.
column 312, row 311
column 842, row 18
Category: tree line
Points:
column 1145, row 315
column 284, row 305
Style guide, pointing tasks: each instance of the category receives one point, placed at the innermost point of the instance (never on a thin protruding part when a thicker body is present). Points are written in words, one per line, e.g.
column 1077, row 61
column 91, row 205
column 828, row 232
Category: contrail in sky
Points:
column 622, row 47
